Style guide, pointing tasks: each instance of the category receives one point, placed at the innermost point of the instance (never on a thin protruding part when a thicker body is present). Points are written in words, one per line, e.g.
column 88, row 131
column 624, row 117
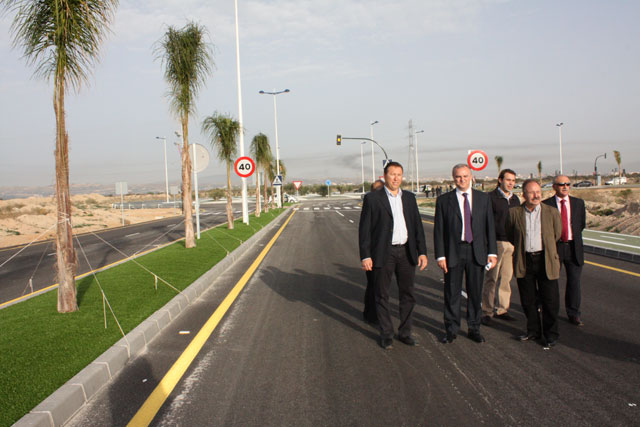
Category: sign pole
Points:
column 195, row 181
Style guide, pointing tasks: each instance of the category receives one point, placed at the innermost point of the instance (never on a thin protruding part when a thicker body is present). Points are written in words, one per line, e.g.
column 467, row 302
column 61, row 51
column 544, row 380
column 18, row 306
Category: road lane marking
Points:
column 131, row 235
column 339, row 213
column 611, row 237
column 316, row 208
column 619, row 270
column 610, row 242
column 306, row 209
column 154, row 402
column 337, row 208
column 351, row 221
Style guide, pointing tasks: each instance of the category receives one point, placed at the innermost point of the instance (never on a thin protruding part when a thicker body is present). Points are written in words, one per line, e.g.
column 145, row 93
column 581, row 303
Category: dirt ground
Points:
column 25, row 220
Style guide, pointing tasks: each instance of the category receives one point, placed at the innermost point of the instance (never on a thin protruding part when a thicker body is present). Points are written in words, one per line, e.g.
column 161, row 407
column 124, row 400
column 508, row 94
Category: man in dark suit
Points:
column 392, row 241
column 465, row 242
column 570, row 248
column 369, row 314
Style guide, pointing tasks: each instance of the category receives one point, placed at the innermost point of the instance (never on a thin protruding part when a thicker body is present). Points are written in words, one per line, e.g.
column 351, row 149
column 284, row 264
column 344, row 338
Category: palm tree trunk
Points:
column 229, row 207
column 65, row 253
column 266, row 201
column 189, row 236
column 258, row 209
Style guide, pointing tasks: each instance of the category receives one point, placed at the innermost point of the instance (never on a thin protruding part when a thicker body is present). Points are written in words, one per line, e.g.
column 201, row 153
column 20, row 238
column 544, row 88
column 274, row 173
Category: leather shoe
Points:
column 449, row 338
column 476, row 336
column 528, row 337
column 486, row 320
column 386, row 343
column 505, row 316
column 575, row 320
column 408, row 340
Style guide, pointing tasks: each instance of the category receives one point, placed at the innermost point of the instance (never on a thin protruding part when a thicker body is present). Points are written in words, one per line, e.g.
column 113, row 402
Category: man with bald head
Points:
column 533, row 229
column 570, row 249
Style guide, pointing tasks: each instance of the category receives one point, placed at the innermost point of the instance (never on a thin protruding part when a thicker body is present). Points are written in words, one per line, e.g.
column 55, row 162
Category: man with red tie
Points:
column 570, row 248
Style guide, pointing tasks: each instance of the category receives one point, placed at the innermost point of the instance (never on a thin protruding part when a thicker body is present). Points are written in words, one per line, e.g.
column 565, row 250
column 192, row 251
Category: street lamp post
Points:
column 560, row 136
column 417, row 172
column 166, row 173
column 595, row 168
column 275, row 116
column 245, row 206
column 373, row 161
column 362, row 163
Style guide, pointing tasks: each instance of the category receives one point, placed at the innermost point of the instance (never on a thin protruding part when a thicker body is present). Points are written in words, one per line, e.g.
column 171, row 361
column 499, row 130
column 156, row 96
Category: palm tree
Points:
column 499, row 161
column 272, row 176
column 187, row 61
column 261, row 151
column 223, row 131
column 540, row 172
column 618, row 157
column 62, row 39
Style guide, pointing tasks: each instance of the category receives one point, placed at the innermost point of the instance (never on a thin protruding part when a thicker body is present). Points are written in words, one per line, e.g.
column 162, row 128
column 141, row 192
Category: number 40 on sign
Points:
column 477, row 160
column 244, row 167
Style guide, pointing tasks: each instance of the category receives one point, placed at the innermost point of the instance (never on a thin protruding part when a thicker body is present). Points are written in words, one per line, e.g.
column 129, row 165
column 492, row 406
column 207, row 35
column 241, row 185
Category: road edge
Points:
column 60, row 406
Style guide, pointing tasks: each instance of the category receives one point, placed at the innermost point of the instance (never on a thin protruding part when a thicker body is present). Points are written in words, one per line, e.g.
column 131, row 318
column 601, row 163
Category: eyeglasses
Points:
column 563, row 184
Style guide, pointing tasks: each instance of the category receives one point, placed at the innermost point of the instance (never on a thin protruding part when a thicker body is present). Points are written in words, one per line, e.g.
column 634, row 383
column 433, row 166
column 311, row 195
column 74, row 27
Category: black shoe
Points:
column 449, row 338
column 386, row 343
column 505, row 316
column 486, row 320
column 575, row 320
column 476, row 336
column 550, row 343
column 408, row 340
column 528, row 337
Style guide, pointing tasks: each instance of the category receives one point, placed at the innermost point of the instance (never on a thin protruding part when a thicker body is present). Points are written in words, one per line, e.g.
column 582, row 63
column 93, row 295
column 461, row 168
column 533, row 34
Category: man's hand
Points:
column 422, row 262
column 443, row 265
column 493, row 261
column 367, row 264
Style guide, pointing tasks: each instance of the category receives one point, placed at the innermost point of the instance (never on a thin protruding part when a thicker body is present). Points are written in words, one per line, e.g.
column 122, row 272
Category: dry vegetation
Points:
column 23, row 220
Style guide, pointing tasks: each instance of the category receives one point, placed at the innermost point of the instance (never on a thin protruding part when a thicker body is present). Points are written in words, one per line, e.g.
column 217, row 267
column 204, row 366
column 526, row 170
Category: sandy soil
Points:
column 23, row 220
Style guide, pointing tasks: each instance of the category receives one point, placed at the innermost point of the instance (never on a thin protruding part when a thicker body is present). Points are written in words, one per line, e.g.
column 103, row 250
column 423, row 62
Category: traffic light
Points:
column 339, row 140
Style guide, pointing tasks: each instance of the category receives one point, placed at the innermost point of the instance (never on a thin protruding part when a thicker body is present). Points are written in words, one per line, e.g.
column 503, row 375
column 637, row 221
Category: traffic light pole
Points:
column 339, row 139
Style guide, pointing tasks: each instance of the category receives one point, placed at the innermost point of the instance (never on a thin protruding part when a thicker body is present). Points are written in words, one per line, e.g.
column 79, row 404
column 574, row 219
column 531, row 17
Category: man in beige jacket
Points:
column 534, row 228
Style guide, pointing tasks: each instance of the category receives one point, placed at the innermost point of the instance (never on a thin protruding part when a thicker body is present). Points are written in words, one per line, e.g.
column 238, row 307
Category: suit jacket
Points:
column 376, row 227
column 447, row 229
column 551, row 228
column 578, row 223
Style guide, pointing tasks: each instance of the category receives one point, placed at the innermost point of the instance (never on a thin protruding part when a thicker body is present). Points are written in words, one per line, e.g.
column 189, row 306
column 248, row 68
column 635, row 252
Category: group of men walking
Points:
column 482, row 239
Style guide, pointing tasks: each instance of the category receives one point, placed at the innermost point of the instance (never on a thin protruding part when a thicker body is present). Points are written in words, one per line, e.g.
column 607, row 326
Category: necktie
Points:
column 565, row 221
column 468, row 233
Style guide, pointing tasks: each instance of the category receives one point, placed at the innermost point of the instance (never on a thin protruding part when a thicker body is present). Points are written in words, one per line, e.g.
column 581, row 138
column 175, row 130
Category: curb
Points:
column 63, row 403
column 612, row 253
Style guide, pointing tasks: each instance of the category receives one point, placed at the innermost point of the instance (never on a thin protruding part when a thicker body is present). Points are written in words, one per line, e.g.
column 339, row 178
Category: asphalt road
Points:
column 293, row 350
column 37, row 262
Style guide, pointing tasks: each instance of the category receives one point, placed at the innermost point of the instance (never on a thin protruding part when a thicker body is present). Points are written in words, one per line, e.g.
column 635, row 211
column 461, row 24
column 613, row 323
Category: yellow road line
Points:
column 619, row 270
column 154, row 402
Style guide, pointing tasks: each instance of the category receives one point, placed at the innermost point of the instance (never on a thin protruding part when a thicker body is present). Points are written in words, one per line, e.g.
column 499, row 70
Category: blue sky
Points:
column 495, row 75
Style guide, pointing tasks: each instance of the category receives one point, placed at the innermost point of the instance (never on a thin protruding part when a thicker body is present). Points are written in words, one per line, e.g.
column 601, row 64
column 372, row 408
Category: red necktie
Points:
column 565, row 221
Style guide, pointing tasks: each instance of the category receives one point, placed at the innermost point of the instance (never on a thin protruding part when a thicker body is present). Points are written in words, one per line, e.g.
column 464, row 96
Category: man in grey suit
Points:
column 465, row 242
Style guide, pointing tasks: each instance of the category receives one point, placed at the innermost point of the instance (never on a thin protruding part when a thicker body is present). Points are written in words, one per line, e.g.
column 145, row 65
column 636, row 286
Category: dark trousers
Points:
column 572, row 295
column 398, row 263
column 535, row 287
column 369, row 313
column 474, row 275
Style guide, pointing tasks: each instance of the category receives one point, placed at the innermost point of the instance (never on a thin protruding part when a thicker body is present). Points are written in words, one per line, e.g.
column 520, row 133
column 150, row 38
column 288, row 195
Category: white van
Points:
column 618, row 180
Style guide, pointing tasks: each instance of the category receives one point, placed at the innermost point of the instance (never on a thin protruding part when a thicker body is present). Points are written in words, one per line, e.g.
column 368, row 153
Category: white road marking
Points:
column 337, row 208
column 316, row 208
column 51, row 254
column 130, row 235
column 306, row 209
column 339, row 213
column 611, row 243
column 351, row 221
column 611, row 237
column 326, row 208
column 347, row 207
column 184, row 332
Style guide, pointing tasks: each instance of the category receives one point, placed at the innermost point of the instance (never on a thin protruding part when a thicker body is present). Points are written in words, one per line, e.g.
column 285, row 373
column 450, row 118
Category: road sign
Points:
column 385, row 162
column 200, row 157
column 327, row 182
column 244, row 167
column 277, row 181
column 477, row 160
column 121, row 188
column 297, row 184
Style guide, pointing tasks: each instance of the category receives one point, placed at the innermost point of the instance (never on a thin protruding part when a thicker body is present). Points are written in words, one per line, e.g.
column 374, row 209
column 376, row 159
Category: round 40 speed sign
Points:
column 477, row 160
column 244, row 166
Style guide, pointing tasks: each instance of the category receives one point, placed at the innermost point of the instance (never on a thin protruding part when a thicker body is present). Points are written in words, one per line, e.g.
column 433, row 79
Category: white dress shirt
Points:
column 400, row 234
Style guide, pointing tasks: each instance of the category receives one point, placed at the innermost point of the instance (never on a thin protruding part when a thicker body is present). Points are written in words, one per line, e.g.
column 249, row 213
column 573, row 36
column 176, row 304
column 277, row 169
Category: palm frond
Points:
column 222, row 132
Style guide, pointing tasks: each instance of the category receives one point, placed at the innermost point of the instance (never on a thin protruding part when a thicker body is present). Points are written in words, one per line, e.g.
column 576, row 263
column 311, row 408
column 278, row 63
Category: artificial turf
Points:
column 41, row 349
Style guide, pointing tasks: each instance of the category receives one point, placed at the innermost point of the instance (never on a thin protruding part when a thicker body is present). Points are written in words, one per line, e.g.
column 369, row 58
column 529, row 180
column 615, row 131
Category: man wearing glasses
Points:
column 570, row 249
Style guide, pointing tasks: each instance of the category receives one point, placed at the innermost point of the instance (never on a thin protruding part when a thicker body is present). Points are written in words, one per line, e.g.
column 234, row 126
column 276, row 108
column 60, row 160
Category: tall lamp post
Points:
column 373, row 161
column 362, row 163
column 275, row 116
column 166, row 173
column 560, row 136
column 417, row 171
column 245, row 205
column 595, row 168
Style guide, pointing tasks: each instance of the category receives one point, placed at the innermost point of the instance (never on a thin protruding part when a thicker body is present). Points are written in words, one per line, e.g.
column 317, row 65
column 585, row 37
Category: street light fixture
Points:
column 275, row 116
column 166, row 174
column 595, row 168
column 417, row 172
column 362, row 163
column 560, row 135
column 373, row 161
column 245, row 206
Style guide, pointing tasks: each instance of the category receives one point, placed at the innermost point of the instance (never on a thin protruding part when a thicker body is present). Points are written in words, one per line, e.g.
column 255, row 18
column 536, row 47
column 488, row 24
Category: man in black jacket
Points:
column 391, row 240
column 570, row 247
column 499, row 277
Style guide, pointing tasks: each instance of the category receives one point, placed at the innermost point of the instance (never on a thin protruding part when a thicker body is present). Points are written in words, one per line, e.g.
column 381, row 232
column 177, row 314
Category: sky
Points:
column 495, row 75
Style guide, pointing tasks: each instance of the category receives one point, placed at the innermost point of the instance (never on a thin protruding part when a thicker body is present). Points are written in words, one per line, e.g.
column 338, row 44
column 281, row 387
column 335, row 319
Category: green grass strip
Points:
column 41, row 349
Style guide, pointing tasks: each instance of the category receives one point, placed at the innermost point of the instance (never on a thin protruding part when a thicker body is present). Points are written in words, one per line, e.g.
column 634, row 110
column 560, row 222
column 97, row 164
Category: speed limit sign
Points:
column 477, row 160
column 244, row 167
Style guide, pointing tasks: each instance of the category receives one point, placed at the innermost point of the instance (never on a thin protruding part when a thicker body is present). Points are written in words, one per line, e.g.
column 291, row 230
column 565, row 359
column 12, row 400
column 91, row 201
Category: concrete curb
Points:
column 62, row 404
column 612, row 253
